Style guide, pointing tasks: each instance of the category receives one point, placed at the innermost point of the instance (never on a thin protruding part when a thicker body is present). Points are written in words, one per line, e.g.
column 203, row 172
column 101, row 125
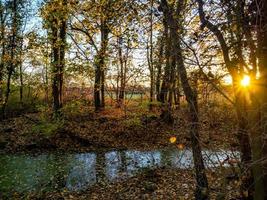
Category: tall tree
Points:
column 259, row 99
column 233, row 51
column 55, row 15
column 99, row 88
column 174, row 17
column 158, row 66
column 123, row 62
column 150, row 55
column 15, row 10
column 2, row 47
column 98, row 20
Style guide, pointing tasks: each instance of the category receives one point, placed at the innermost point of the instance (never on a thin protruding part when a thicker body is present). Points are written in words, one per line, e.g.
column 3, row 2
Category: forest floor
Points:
column 160, row 183
column 135, row 128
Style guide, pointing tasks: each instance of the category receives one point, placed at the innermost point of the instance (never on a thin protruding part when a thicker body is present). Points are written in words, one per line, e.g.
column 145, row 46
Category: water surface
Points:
column 73, row 172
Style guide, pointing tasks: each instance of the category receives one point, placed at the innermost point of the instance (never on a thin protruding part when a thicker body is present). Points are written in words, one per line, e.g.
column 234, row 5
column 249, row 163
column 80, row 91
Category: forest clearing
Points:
column 133, row 99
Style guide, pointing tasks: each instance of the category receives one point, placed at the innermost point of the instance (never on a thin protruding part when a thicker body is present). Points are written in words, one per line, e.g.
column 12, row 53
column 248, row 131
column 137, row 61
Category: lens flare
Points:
column 172, row 139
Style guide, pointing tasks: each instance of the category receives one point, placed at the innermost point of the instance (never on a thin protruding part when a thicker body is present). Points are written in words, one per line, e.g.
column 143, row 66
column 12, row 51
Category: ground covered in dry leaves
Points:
column 134, row 128
column 162, row 183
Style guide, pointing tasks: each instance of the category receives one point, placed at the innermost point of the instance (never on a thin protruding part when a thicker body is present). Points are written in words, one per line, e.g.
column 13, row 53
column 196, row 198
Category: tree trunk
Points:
column 164, row 86
column 260, row 146
column 97, row 84
column 2, row 43
column 55, row 68
column 99, row 87
column 46, row 84
column 177, row 91
column 246, row 190
column 58, row 40
column 102, row 105
column 117, row 86
column 6, row 93
column 62, row 38
column 174, row 20
column 1, row 82
column 122, row 87
column 172, row 78
column 21, row 83
column 242, row 108
column 121, row 74
column 12, row 62
column 159, row 68
column 20, row 73
column 243, row 137
column 58, row 28
column 256, row 130
column 150, row 58
column 202, row 182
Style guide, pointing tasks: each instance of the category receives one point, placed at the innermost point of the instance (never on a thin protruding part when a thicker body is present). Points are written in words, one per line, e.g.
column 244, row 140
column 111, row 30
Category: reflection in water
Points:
column 113, row 165
column 137, row 160
column 83, row 172
column 56, row 171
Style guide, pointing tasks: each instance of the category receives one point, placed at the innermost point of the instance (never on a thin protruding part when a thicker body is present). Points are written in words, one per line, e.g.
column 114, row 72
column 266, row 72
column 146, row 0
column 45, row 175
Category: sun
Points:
column 245, row 82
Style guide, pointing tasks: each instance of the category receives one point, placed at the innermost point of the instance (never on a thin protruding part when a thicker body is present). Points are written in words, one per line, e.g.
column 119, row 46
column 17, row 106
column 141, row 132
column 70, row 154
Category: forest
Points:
column 133, row 99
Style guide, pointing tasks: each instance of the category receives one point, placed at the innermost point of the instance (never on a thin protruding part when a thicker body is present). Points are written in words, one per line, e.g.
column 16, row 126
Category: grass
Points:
column 132, row 122
column 47, row 128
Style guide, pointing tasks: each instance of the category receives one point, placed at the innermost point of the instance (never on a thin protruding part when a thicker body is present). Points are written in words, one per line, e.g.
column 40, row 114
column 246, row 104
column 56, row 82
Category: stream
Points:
column 77, row 171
